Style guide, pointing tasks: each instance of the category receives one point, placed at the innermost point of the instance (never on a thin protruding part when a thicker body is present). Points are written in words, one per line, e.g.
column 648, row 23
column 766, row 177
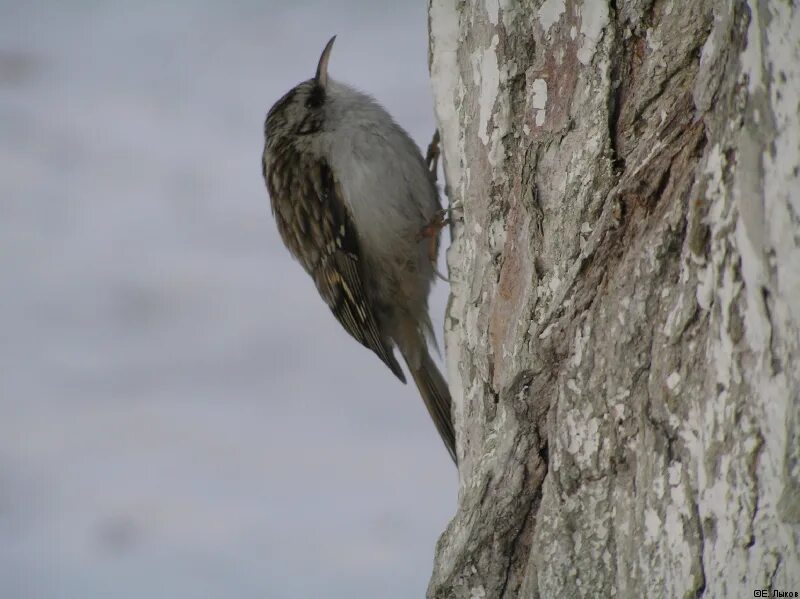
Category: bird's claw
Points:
column 431, row 233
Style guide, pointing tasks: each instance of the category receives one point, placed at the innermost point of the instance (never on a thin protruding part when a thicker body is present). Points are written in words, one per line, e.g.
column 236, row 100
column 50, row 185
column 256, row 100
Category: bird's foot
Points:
column 430, row 233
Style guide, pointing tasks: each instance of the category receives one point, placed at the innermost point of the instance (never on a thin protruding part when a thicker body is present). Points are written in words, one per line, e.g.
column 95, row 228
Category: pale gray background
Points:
column 180, row 415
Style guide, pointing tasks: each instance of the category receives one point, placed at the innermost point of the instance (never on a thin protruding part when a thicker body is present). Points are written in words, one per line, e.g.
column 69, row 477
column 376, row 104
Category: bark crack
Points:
column 701, row 582
column 512, row 553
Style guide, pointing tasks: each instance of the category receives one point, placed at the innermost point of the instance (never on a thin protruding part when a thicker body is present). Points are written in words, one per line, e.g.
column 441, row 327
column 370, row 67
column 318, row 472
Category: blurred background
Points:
column 180, row 414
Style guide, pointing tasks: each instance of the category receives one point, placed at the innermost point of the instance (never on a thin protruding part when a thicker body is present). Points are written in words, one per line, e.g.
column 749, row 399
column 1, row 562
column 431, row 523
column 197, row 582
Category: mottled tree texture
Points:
column 623, row 336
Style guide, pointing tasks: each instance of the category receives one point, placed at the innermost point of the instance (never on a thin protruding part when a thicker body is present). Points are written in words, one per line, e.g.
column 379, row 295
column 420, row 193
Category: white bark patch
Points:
column 652, row 526
column 582, row 337
column 444, row 39
column 477, row 593
column 673, row 380
column 539, row 100
column 583, row 434
column 448, row 94
column 757, row 323
column 487, row 77
column 493, row 10
column 510, row 10
column 752, row 59
column 654, row 42
column 594, row 16
column 550, row 13
column 782, row 166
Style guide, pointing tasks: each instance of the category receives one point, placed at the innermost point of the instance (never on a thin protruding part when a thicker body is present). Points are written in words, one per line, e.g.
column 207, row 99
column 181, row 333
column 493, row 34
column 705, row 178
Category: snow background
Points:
column 180, row 415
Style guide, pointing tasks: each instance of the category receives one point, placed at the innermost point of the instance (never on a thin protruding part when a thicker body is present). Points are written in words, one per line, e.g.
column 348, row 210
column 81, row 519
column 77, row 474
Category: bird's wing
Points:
column 316, row 226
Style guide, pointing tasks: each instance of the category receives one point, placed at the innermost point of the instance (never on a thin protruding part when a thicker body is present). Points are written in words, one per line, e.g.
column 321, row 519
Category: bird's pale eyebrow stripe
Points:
column 283, row 102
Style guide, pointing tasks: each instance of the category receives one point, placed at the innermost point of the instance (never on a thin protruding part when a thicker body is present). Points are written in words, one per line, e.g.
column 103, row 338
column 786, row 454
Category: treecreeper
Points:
column 354, row 201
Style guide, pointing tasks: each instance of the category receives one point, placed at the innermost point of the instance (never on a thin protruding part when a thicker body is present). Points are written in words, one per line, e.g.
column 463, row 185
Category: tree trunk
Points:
column 623, row 334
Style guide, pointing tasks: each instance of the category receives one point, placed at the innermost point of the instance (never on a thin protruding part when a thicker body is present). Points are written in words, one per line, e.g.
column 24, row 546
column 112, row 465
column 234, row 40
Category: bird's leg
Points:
column 431, row 232
column 441, row 218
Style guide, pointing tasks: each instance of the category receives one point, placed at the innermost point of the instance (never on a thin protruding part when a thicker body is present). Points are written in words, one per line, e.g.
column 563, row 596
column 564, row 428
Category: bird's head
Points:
column 301, row 110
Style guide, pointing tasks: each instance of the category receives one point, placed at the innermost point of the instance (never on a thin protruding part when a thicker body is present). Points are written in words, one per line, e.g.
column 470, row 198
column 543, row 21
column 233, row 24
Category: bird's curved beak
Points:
column 322, row 68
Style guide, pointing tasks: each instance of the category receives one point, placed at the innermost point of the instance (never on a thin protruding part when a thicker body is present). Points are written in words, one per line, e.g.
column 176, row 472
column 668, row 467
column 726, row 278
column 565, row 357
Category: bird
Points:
column 353, row 198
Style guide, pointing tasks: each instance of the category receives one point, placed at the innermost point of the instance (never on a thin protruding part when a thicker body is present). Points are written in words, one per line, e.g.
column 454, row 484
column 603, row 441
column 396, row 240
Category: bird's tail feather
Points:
column 435, row 394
